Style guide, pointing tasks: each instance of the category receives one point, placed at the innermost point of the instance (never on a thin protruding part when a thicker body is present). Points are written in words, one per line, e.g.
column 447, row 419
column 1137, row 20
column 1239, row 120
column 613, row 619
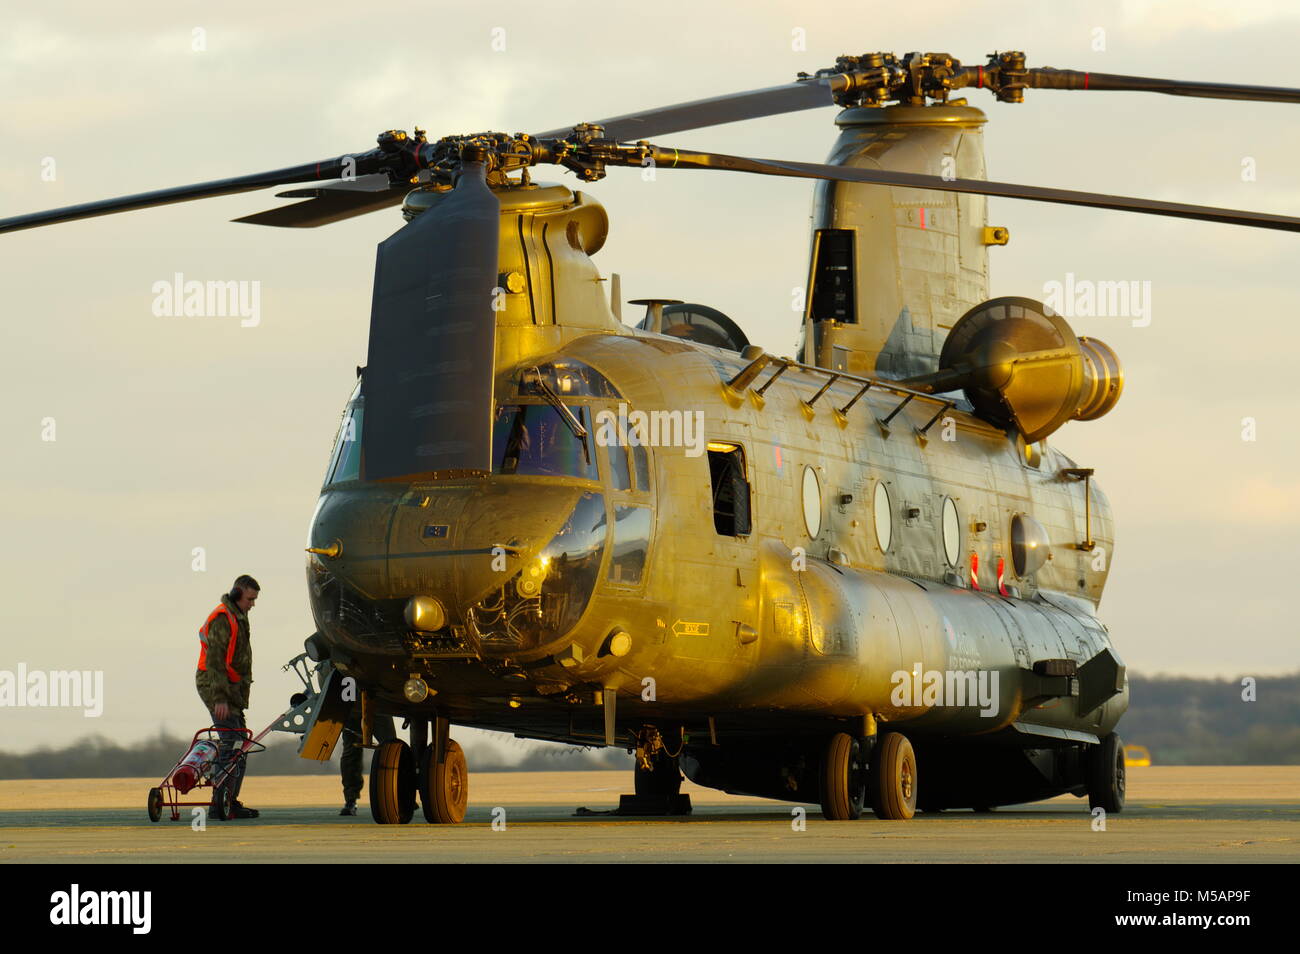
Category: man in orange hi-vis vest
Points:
column 225, row 674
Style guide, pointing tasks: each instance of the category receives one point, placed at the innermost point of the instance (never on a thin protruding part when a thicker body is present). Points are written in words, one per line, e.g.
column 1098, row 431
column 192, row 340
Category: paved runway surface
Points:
column 1185, row 814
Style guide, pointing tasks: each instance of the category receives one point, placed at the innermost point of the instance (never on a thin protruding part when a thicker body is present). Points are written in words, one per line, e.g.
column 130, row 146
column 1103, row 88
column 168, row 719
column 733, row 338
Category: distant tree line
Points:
column 1210, row 722
column 1182, row 721
column 99, row 757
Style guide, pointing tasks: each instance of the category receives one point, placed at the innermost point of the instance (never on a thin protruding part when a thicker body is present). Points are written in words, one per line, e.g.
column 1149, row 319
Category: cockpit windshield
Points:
column 537, row 440
column 345, row 461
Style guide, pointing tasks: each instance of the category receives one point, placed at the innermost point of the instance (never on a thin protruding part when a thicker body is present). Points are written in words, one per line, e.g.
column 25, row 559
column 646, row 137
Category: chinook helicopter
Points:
column 859, row 577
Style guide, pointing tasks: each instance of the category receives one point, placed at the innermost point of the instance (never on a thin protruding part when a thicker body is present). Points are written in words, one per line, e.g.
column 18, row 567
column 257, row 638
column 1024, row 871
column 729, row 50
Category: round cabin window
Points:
column 884, row 517
column 812, row 502
column 951, row 532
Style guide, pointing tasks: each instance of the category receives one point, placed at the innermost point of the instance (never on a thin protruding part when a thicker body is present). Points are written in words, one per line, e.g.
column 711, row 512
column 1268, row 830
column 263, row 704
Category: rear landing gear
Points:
column 843, row 778
column 1105, row 774
column 893, row 778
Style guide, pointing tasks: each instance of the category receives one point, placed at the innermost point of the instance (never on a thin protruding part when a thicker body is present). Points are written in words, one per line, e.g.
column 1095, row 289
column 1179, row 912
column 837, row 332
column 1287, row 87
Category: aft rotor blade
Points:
column 309, row 172
column 715, row 111
column 671, row 158
column 1048, row 78
column 428, row 378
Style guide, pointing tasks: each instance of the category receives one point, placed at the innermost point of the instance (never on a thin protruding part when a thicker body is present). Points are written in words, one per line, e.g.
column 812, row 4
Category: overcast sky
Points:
column 176, row 433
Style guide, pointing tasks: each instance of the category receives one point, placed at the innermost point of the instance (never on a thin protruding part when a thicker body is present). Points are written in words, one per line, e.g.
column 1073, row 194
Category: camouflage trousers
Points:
column 351, row 754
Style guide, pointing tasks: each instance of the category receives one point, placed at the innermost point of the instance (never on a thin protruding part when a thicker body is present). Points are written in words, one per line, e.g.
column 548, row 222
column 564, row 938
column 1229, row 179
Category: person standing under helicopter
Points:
column 350, row 758
column 224, row 677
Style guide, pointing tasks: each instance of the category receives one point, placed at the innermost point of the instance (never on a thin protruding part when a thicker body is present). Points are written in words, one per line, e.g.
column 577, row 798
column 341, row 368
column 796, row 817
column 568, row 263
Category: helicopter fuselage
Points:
column 815, row 613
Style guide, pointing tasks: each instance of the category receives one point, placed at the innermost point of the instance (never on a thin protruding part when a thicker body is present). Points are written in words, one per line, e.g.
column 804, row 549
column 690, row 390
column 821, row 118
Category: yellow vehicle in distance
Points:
column 1137, row 756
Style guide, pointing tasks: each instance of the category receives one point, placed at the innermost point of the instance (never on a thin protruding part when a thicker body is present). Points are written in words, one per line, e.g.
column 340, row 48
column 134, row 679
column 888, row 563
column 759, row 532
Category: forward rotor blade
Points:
column 331, row 203
column 672, row 158
column 310, row 172
column 375, row 182
column 1048, row 78
column 428, row 378
column 715, row 111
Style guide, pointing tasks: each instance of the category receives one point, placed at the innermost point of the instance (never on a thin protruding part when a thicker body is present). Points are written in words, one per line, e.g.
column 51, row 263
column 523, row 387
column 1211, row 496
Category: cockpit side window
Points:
column 620, row 477
column 631, row 544
column 641, row 461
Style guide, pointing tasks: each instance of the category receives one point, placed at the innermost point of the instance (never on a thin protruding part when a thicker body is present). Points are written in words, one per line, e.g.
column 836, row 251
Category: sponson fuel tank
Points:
column 929, row 655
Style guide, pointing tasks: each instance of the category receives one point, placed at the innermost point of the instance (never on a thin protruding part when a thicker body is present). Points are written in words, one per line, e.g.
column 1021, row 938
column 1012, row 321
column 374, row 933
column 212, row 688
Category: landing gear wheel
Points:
column 1105, row 775
column 444, row 789
column 155, row 804
column 392, row 783
column 843, row 778
column 663, row 779
column 893, row 778
column 223, row 807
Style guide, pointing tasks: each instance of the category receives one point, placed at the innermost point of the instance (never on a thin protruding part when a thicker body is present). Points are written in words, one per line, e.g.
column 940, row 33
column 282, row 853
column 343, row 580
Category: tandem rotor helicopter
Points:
column 869, row 582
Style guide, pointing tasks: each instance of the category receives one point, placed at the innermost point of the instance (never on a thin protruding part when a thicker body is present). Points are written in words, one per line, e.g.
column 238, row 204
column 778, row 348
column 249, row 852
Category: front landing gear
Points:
column 437, row 770
column 444, row 785
column 392, row 783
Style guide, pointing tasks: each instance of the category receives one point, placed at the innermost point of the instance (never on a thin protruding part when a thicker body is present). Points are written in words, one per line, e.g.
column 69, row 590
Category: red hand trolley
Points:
column 200, row 769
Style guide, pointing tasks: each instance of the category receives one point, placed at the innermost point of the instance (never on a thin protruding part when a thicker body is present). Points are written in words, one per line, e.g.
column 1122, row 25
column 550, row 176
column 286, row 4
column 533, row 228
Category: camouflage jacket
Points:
column 215, row 683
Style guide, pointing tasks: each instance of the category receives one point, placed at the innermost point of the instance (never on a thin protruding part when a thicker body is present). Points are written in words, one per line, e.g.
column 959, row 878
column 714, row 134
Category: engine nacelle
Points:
column 1022, row 367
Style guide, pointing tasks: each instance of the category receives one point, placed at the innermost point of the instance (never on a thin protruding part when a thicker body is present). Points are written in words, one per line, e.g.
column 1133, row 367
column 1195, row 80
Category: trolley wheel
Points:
column 155, row 804
column 444, row 789
column 392, row 783
column 1105, row 775
column 843, row 785
column 223, row 803
column 893, row 778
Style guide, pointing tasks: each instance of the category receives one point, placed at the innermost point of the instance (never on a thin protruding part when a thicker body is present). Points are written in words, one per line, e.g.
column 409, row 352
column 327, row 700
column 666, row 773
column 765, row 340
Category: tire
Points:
column 155, row 804
column 444, row 789
column 664, row 779
column 893, row 778
column 843, row 785
column 222, row 803
column 392, row 783
column 1106, row 775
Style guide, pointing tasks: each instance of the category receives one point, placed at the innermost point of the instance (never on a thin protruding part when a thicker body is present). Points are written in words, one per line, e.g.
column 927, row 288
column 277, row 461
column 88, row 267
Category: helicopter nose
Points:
column 457, row 544
column 425, row 558
column 348, row 539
